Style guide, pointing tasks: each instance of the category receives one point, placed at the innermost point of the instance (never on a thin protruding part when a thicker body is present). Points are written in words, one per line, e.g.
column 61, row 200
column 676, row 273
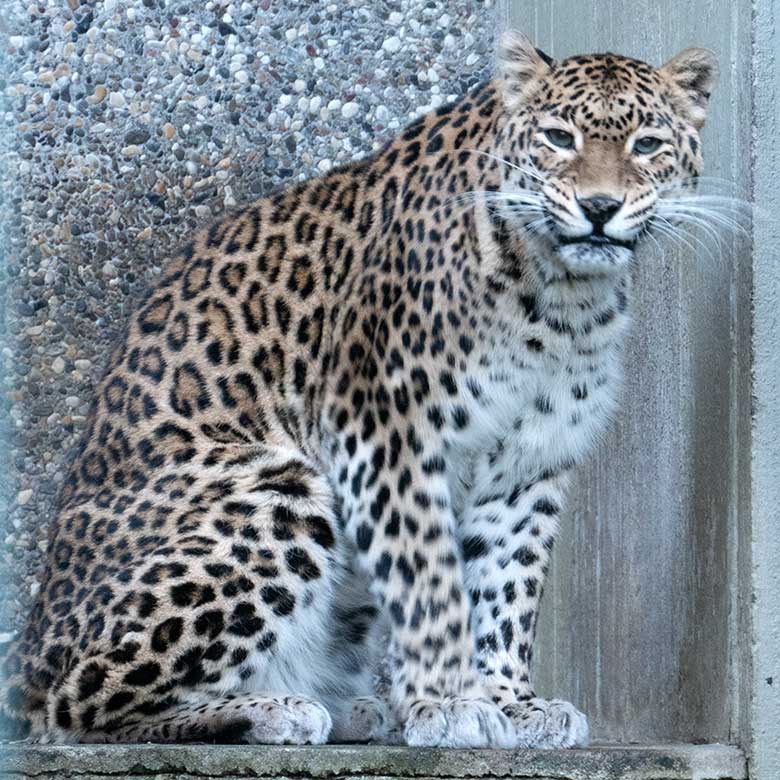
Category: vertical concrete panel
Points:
column 764, row 575
column 639, row 617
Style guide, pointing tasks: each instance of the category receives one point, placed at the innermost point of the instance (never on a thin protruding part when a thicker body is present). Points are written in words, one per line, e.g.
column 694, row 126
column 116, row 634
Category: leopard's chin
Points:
column 591, row 257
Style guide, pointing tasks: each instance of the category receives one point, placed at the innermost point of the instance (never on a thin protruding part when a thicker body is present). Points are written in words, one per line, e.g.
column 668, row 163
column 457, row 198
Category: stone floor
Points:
column 176, row 762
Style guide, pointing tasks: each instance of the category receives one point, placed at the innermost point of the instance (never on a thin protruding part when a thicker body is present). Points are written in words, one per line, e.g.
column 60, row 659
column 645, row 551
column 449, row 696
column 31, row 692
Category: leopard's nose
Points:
column 599, row 209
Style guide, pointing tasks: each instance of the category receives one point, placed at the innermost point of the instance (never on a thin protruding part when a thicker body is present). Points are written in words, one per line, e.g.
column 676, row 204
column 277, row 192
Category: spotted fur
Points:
column 342, row 423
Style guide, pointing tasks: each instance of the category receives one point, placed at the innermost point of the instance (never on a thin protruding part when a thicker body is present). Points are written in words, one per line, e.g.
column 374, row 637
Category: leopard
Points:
column 324, row 470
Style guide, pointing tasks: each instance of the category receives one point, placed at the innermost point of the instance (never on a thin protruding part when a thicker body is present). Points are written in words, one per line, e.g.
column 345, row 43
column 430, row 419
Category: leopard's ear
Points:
column 694, row 73
column 520, row 64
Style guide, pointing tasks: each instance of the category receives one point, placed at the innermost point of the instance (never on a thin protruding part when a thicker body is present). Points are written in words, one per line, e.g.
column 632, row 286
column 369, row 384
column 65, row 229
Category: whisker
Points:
column 666, row 228
column 515, row 212
column 675, row 236
column 670, row 230
column 691, row 212
column 530, row 172
column 535, row 225
column 678, row 194
column 696, row 183
column 522, row 196
column 709, row 221
column 657, row 243
column 721, row 202
column 708, row 230
column 707, row 204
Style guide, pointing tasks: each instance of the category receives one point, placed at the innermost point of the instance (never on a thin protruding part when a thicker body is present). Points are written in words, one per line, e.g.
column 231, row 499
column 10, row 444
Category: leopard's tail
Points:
column 17, row 700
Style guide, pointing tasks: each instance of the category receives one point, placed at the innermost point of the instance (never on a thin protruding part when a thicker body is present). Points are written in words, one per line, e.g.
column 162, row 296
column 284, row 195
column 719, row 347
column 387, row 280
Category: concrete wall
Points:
column 642, row 626
column 669, row 625
column 764, row 579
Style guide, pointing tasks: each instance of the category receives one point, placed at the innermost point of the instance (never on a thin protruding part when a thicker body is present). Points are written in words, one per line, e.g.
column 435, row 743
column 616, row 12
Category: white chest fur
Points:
column 539, row 396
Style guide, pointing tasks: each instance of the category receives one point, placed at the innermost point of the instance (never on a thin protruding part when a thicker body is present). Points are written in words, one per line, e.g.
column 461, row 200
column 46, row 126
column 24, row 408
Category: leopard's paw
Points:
column 460, row 723
column 542, row 723
column 290, row 720
column 367, row 719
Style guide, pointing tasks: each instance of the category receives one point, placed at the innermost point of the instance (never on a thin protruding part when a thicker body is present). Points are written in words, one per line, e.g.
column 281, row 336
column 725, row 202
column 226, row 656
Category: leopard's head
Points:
column 591, row 143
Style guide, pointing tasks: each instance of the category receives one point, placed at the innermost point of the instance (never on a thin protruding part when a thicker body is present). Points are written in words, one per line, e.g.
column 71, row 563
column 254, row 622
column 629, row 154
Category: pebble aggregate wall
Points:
column 126, row 123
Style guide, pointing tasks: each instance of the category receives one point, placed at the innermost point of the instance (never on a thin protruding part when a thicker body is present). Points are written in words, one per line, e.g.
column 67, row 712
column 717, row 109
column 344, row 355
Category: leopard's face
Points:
column 591, row 143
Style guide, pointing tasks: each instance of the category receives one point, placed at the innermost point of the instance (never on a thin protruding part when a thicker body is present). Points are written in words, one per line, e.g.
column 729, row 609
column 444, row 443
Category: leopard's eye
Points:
column 647, row 145
column 559, row 138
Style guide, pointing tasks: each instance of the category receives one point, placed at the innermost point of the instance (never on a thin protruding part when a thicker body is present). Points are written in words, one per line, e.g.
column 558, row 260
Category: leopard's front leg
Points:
column 506, row 537
column 407, row 540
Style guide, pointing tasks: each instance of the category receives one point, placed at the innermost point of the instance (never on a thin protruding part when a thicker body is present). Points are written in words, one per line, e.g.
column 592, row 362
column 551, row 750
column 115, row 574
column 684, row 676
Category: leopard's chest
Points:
column 544, row 411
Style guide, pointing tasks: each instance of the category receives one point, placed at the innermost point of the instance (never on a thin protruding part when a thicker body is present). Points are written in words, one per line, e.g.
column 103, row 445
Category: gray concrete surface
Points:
column 763, row 583
column 645, row 623
column 665, row 762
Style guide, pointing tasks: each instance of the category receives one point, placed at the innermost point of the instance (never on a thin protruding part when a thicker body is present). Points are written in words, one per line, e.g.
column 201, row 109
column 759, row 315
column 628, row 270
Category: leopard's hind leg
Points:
column 231, row 594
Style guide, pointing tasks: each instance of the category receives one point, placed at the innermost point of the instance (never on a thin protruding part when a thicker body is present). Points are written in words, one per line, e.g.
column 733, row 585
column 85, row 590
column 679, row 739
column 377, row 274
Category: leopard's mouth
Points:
column 594, row 254
column 594, row 241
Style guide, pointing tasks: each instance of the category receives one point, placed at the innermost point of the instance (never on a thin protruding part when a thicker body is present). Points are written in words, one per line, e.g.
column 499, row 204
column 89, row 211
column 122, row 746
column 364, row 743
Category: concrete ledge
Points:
column 177, row 762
